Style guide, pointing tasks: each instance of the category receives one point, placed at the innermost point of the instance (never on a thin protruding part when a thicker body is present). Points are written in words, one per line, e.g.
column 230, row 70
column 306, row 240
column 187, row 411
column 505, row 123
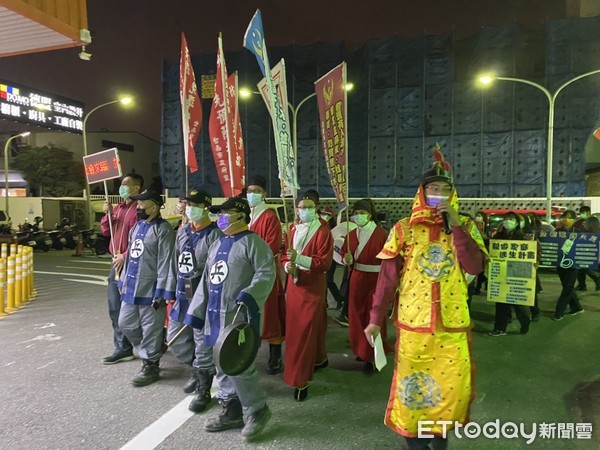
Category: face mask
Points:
column 509, row 224
column 360, row 219
column 195, row 213
column 478, row 219
column 325, row 217
column 253, row 198
column 434, row 200
column 522, row 224
column 124, row 192
column 225, row 221
column 585, row 216
column 142, row 214
column 307, row 214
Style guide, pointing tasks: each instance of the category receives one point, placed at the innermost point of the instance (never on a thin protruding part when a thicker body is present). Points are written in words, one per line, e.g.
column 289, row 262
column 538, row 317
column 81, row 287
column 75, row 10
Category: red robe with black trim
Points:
column 268, row 227
column 361, row 289
column 306, row 319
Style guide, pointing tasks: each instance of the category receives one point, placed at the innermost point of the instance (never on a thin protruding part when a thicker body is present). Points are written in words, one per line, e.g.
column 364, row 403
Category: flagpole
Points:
column 226, row 108
column 344, row 81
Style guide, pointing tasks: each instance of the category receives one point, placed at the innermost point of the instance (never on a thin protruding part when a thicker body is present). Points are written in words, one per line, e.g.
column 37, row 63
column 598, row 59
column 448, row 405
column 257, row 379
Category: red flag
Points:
column 191, row 108
column 597, row 133
column 225, row 130
column 331, row 100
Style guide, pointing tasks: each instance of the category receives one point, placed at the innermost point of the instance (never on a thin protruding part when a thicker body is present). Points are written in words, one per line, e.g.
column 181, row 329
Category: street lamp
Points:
column 488, row 79
column 125, row 101
column 6, row 149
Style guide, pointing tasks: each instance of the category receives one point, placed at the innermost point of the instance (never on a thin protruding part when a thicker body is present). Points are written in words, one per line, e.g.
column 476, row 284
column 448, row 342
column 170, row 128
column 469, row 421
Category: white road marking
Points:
column 38, row 326
column 99, row 283
column 87, row 275
column 44, row 337
column 158, row 431
column 78, row 261
column 152, row 436
column 10, row 363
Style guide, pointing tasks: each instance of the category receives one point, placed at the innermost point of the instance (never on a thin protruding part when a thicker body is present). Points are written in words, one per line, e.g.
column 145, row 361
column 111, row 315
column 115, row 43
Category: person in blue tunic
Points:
column 239, row 270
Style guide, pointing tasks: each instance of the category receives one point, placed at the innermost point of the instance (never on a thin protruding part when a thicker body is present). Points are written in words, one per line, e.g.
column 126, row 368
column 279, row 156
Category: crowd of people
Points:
column 199, row 278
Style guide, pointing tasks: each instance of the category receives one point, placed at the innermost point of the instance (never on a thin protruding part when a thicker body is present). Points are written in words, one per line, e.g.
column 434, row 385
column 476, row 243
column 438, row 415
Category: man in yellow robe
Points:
column 427, row 262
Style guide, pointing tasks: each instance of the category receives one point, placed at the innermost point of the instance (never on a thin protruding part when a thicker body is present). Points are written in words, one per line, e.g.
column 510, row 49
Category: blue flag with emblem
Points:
column 254, row 40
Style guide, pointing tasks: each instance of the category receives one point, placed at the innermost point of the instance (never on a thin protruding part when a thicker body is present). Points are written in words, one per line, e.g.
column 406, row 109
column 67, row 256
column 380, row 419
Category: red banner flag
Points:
column 331, row 100
column 225, row 131
column 191, row 108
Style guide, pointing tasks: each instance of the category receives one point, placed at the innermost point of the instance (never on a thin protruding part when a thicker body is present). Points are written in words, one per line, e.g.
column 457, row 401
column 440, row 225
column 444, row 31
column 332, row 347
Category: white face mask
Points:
column 509, row 224
column 195, row 213
column 307, row 214
column 478, row 219
column 434, row 200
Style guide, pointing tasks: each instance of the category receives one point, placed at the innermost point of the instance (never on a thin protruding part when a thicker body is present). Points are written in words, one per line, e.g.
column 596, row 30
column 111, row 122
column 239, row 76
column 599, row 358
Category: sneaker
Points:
column 342, row 320
column 256, row 422
column 557, row 318
column 118, row 357
column 576, row 313
column 497, row 333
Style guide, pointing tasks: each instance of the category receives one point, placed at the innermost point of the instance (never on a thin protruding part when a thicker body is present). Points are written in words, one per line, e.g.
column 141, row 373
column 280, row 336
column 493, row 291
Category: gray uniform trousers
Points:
column 143, row 326
column 245, row 387
column 122, row 344
column 203, row 353
column 183, row 347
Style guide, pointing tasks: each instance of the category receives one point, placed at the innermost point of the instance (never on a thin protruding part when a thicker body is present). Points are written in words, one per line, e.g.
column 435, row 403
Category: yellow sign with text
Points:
column 511, row 272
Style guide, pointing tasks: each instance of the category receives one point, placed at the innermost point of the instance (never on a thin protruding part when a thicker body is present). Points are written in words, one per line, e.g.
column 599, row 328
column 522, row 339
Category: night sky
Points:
column 132, row 38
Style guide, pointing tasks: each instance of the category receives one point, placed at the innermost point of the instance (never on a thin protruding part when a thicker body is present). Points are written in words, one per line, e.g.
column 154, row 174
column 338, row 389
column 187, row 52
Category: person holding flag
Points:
column 306, row 262
column 192, row 243
column 265, row 222
column 425, row 266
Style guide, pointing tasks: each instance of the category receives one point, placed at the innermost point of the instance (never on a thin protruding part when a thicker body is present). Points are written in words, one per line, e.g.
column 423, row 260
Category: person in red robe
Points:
column 306, row 262
column 360, row 252
column 265, row 222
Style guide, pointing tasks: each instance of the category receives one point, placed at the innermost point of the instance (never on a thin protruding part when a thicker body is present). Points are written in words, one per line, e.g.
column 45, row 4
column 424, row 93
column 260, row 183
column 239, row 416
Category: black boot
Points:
column 231, row 417
column 204, row 381
column 274, row 364
column 148, row 374
column 191, row 384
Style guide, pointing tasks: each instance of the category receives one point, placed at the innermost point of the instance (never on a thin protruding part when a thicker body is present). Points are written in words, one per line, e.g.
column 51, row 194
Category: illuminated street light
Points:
column 125, row 101
column 6, row 148
column 488, row 79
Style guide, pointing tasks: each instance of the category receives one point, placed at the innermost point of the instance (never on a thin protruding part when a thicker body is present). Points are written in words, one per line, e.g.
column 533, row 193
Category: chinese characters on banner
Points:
column 331, row 100
column 565, row 249
column 511, row 272
column 102, row 166
column 191, row 108
column 255, row 42
column 225, row 131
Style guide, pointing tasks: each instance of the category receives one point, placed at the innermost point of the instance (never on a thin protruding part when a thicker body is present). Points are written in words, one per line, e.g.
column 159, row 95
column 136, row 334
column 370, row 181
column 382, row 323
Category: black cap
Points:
column 198, row 196
column 311, row 194
column 258, row 180
column 149, row 195
column 241, row 204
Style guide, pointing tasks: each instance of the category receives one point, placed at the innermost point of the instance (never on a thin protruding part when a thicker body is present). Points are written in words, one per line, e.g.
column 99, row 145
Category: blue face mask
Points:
column 253, row 198
column 360, row 219
column 124, row 192
column 307, row 214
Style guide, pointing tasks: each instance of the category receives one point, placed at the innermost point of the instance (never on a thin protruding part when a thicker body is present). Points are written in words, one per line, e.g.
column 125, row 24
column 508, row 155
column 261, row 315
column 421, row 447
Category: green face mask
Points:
column 124, row 192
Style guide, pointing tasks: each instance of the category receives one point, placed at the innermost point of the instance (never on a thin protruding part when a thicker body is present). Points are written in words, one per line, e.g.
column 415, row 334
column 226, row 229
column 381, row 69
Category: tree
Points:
column 50, row 171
